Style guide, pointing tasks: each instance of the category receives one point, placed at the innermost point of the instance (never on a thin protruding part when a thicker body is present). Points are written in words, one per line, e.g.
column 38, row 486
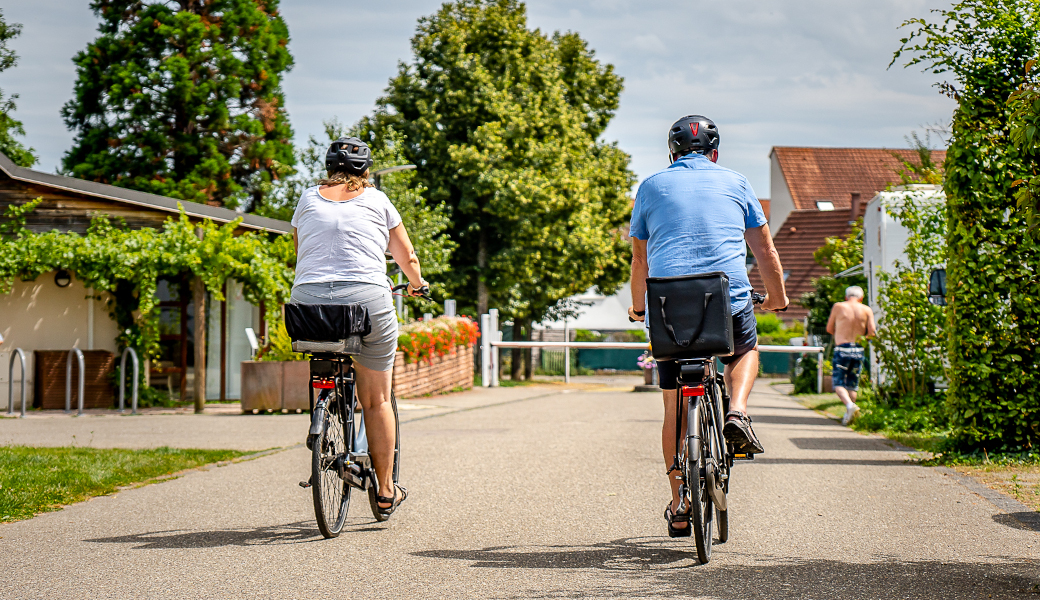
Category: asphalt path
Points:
column 541, row 492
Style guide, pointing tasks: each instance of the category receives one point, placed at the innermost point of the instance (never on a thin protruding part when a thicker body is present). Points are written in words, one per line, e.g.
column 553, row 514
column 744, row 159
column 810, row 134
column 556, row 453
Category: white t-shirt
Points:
column 343, row 241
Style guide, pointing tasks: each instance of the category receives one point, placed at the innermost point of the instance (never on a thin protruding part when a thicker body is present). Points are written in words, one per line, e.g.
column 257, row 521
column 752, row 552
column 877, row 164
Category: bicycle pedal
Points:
column 305, row 484
column 743, row 457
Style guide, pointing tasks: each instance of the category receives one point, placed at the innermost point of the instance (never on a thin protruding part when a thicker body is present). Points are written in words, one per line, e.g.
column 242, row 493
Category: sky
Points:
column 768, row 72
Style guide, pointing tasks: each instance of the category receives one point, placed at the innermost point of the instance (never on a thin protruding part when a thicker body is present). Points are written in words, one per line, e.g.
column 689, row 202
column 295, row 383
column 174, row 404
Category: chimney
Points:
column 854, row 210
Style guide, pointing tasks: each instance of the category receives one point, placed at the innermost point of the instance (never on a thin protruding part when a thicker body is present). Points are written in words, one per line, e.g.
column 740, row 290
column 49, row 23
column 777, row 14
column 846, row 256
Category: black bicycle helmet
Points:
column 693, row 134
column 348, row 155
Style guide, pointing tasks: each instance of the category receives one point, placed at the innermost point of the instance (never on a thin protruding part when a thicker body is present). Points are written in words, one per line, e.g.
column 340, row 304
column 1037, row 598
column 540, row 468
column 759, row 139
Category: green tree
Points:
column 992, row 260
column 503, row 123
column 9, row 126
column 183, row 99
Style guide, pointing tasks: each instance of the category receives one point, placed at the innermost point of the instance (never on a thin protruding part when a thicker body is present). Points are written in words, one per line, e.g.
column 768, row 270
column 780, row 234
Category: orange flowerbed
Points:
column 423, row 340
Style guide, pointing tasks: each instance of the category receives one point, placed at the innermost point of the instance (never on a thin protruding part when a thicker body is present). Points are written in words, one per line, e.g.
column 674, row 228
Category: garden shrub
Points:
column 993, row 261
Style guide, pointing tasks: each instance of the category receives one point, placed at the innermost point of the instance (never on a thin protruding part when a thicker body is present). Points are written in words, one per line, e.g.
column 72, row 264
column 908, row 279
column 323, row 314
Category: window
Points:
column 824, row 205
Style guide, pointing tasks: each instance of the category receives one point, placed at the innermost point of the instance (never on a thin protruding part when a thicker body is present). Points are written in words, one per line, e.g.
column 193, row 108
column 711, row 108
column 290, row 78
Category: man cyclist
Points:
column 695, row 217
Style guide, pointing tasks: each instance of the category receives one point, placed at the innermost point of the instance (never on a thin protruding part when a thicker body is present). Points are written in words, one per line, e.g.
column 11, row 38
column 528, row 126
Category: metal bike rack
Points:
column 68, row 380
column 122, row 381
column 10, row 381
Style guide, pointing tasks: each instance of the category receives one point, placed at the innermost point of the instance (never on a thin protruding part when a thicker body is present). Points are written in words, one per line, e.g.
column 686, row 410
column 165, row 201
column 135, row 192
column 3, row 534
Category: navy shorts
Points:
column 847, row 361
column 745, row 338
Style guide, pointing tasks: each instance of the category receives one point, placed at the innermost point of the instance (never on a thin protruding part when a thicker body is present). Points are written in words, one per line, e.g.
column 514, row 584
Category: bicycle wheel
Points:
column 397, row 462
column 701, row 508
column 331, row 493
column 722, row 516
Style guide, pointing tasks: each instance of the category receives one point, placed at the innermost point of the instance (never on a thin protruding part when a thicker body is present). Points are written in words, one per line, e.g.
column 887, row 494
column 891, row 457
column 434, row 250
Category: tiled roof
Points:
column 834, row 173
column 801, row 235
column 765, row 206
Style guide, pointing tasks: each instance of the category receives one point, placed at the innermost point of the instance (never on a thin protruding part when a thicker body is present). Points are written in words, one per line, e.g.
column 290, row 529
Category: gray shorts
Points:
column 378, row 347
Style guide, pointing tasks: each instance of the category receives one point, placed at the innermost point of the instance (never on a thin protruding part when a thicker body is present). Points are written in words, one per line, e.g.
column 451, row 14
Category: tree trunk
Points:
column 516, row 365
column 199, row 298
column 482, row 260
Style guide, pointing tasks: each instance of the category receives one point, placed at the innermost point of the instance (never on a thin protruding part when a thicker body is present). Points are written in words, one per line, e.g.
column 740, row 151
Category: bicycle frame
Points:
column 336, row 371
column 702, row 388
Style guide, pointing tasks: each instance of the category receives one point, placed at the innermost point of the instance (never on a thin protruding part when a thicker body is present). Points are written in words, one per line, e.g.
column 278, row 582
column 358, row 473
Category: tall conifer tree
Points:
column 9, row 126
column 183, row 98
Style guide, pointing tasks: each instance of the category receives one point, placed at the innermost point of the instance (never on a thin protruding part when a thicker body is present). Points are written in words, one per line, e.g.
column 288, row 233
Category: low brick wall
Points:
column 442, row 374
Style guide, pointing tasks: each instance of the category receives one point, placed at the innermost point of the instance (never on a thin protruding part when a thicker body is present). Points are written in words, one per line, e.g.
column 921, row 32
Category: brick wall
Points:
column 442, row 374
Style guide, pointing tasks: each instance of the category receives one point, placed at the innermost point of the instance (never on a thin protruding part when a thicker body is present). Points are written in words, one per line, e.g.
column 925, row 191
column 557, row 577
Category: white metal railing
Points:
column 491, row 341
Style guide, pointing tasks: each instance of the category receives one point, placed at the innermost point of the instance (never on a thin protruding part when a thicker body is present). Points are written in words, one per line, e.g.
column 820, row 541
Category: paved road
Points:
column 558, row 495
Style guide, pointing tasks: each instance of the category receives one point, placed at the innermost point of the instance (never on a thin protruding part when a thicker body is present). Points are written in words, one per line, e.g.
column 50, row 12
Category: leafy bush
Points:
column 806, row 372
column 923, row 413
column 773, row 332
column 422, row 340
column 983, row 47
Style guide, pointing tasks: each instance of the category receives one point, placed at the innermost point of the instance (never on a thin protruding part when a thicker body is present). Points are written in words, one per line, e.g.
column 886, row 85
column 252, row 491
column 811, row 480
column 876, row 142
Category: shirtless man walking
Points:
column 849, row 321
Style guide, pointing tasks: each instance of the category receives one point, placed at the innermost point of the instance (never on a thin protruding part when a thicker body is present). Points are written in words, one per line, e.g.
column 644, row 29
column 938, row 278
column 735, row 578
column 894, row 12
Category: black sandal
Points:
column 738, row 432
column 675, row 532
column 393, row 501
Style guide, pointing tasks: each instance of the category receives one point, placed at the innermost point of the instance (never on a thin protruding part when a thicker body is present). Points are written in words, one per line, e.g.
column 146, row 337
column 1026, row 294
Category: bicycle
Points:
column 340, row 460
column 706, row 459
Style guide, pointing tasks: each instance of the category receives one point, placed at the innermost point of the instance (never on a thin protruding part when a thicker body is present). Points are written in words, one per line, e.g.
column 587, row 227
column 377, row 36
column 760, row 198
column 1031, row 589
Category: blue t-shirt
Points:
column 693, row 215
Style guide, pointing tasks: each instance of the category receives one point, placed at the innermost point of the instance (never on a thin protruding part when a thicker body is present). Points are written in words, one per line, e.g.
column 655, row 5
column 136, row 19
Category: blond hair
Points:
column 353, row 182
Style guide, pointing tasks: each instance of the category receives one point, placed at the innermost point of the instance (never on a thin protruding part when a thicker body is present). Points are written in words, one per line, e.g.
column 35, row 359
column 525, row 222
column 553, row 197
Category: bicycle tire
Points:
column 722, row 459
column 397, row 462
column 331, row 494
column 701, row 507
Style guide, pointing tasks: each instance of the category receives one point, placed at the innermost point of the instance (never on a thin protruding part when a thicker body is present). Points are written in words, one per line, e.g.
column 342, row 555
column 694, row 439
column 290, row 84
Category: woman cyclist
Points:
column 342, row 229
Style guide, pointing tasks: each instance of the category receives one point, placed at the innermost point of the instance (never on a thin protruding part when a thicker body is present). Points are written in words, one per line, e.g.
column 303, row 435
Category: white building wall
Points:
column 884, row 243
column 780, row 201
column 39, row 315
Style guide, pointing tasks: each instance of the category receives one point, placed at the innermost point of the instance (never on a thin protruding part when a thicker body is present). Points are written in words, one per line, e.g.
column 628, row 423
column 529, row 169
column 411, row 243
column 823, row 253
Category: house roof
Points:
column 834, row 173
column 133, row 197
column 765, row 206
column 801, row 235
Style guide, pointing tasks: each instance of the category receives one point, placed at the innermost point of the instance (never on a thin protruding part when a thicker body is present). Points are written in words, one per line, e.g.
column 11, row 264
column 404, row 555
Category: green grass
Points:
column 828, row 404
column 35, row 480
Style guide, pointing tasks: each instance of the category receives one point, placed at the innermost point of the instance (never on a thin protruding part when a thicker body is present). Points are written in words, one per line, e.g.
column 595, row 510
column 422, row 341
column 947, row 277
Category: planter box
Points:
column 271, row 385
column 49, row 379
column 442, row 374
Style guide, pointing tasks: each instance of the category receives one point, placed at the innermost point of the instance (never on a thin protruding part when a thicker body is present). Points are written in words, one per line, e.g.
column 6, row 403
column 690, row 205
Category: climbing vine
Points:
column 128, row 264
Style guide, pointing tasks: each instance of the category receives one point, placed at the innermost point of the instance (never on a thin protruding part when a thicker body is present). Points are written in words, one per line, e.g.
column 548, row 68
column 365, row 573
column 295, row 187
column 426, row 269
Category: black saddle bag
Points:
column 689, row 316
column 326, row 322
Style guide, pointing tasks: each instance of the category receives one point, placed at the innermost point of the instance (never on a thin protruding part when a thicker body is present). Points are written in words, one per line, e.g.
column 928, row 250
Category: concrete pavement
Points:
column 537, row 493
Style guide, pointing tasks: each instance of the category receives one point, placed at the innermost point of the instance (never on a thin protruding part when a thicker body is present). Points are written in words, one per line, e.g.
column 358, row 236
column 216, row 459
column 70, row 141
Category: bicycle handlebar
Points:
column 757, row 298
column 424, row 291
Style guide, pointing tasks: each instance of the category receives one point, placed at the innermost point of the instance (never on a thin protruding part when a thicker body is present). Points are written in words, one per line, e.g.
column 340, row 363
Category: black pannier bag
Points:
column 327, row 327
column 689, row 316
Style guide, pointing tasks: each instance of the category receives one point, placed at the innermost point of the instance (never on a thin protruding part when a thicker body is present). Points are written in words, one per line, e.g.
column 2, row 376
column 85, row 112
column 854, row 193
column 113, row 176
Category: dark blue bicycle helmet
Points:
column 348, row 155
column 693, row 134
